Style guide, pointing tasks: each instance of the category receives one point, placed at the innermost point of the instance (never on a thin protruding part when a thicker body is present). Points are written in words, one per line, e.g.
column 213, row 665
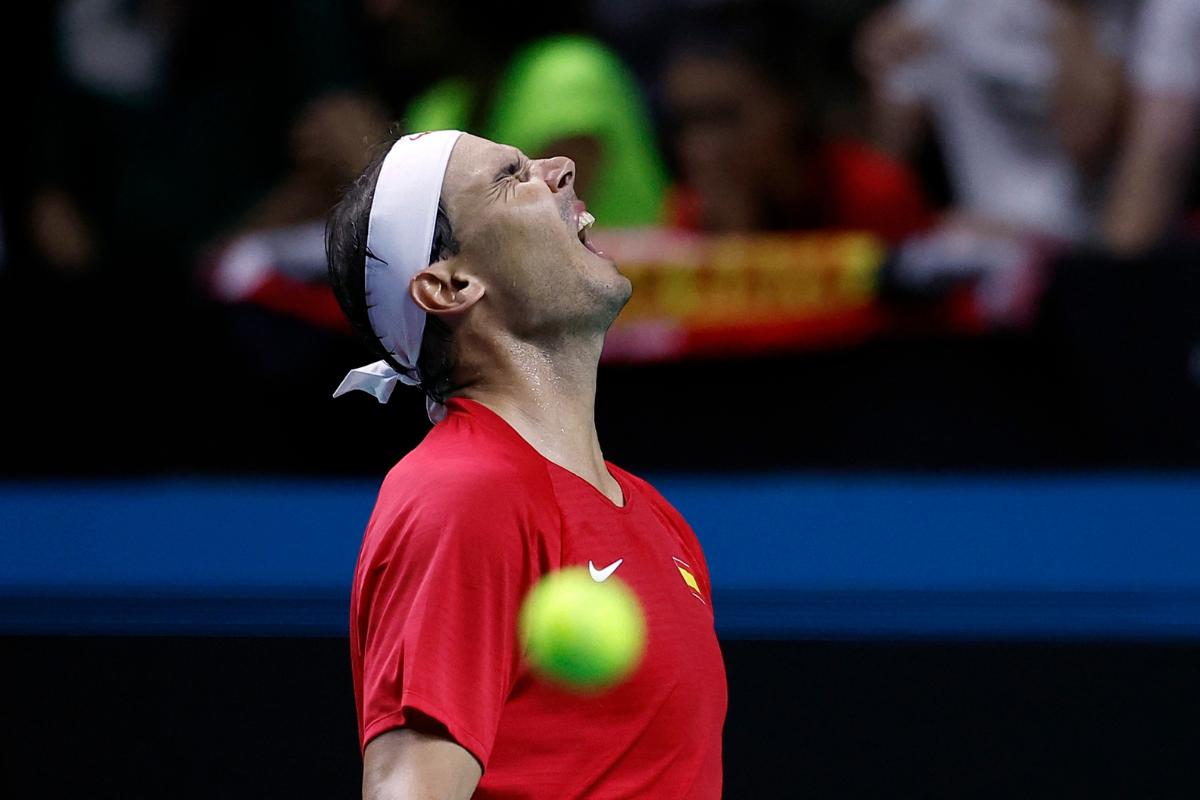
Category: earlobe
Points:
column 436, row 291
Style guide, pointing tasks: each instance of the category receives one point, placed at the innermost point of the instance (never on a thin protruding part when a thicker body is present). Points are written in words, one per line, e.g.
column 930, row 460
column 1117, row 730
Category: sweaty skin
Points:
column 528, row 302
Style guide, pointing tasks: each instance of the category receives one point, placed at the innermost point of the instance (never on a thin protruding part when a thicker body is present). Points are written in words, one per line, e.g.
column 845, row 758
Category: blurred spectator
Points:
column 164, row 120
column 156, row 124
column 1026, row 98
column 744, row 127
column 328, row 145
column 565, row 95
column 569, row 95
column 61, row 233
column 1161, row 140
column 572, row 96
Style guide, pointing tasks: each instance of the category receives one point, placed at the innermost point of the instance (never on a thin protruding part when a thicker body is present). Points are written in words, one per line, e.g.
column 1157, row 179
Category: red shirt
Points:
column 464, row 526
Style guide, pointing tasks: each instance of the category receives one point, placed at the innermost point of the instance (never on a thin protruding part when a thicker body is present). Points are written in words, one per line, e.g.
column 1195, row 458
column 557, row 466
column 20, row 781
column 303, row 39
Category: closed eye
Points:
column 519, row 169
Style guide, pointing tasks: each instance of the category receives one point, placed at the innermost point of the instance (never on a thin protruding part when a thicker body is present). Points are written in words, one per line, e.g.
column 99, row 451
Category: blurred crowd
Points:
column 176, row 159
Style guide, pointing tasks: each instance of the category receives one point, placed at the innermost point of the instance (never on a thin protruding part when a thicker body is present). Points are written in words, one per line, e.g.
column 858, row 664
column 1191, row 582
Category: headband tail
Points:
column 377, row 379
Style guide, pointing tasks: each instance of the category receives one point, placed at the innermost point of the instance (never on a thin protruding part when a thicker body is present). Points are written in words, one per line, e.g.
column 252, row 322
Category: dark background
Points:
column 244, row 717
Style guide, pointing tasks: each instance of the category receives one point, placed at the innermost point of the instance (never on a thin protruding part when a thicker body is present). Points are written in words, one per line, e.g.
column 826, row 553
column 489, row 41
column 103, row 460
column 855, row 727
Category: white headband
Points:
column 399, row 237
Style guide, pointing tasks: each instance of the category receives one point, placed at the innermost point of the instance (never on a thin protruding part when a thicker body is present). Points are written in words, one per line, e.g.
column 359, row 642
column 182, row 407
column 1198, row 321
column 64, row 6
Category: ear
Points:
column 445, row 290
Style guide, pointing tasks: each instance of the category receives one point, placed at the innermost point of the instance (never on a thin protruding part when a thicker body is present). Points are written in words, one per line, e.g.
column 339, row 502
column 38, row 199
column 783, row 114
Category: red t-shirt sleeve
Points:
column 436, row 613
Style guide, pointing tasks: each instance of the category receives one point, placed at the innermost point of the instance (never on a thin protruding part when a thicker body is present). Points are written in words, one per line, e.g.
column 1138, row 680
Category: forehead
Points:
column 473, row 165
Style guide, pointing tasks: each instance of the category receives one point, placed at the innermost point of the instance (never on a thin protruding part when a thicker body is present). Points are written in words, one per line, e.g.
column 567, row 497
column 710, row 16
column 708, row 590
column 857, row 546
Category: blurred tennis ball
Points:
column 582, row 634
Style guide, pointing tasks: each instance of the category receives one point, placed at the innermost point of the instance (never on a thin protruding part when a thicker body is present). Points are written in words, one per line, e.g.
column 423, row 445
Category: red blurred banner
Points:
column 698, row 295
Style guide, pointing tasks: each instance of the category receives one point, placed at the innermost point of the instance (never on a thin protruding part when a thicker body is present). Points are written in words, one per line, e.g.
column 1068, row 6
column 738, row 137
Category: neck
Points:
column 547, row 393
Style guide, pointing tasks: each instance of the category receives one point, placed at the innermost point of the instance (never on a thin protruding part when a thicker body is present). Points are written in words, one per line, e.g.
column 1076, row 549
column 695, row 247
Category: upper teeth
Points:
column 585, row 220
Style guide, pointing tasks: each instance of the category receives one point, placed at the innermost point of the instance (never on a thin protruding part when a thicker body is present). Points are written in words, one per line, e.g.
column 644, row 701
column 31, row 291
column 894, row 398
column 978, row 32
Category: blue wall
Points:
column 1111, row 556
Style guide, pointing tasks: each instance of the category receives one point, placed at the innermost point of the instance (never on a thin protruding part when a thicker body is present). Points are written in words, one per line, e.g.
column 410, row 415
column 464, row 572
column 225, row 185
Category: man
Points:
column 1068, row 119
column 737, row 87
column 467, row 267
column 1021, row 95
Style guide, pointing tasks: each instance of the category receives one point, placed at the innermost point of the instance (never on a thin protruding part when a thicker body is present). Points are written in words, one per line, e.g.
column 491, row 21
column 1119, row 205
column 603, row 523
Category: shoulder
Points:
column 462, row 487
column 464, row 454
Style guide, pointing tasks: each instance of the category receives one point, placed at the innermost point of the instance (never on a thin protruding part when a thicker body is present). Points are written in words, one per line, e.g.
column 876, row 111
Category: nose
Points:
column 557, row 172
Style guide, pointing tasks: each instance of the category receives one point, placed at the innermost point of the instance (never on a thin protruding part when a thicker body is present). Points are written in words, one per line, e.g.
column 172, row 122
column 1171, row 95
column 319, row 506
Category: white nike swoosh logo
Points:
column 601, row 575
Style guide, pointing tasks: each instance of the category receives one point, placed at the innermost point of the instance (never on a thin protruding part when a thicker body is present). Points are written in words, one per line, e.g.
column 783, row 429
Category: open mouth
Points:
column 584, row 222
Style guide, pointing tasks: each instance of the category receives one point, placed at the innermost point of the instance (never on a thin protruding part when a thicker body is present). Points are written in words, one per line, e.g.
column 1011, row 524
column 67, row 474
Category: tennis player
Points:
column 467, row 267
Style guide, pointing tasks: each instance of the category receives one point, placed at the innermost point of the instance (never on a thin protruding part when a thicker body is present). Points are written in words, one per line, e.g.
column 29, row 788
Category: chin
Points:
column 598, row 300
column 626, row 289
column 615, row 295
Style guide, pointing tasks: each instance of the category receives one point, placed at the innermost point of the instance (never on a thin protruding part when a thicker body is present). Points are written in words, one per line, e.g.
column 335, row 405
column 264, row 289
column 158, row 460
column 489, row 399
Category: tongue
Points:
column 587, row 243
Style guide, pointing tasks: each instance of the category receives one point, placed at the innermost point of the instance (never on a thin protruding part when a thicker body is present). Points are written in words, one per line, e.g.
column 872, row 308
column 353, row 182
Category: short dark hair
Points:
column 346, row 253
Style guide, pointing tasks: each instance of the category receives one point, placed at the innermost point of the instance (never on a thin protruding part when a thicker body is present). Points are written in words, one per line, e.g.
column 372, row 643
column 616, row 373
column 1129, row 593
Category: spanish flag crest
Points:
column 685, row 572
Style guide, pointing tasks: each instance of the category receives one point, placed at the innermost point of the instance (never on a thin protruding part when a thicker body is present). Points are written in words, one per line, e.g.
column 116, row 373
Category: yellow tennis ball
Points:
column 582, row 634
